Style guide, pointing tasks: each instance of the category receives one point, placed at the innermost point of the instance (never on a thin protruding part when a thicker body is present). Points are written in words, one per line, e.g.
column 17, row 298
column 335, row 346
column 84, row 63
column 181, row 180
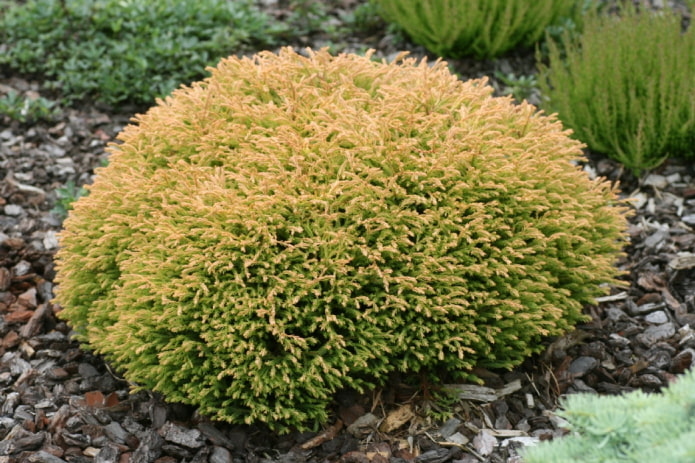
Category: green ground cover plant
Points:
column 22, row 108
column 66, row 195
column 520, row 87
column 626, row 86
column 125, row 51
column 633, row 428
column 479, row 28
column 294, row 225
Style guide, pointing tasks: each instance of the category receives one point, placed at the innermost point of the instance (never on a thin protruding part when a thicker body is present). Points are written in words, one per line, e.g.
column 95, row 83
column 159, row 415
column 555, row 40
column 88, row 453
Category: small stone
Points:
column 86, row 370
column 363, row 425
column 656, row 238
column 582, row 365
column 580, row 386
column 657, row 181
column 458, row 438
column 44, row 457
column 649, row 380
column 618, row 341
column 15, row 362
column 688, row 219
column 433, row 456
column 91, row 452
column 523, row 425
column 23, row 442
column 675, row 177
column 614, row 314
column 449, row 427
column 149, row 449
column 682, row 361
column 190, row 438
column 485, row 443
column 526, row 441
column 28, row 298
column 22, row 268
column 657, row 317
column 57, row 374
column 9, row 404
column 639, row 200
column 656, row 333
column 13, row 210
column 108, row 454
column 116, row 433
column 220, row 439
column 644, row 308
column 50, row 241
column 685, row 334
column 220, row 455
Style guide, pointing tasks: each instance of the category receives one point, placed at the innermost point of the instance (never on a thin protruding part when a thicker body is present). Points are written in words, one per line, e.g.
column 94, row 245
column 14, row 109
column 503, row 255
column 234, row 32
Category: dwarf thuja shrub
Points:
column 625, row 86
column 125, row 51
column 480, row 28
column 633, row 428
column 295, row 225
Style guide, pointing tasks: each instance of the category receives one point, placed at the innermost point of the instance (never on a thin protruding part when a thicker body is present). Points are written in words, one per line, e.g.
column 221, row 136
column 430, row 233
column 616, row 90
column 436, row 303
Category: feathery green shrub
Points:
column 626, row 86
column 480, row 28
column 295, row 225
column 632, row 428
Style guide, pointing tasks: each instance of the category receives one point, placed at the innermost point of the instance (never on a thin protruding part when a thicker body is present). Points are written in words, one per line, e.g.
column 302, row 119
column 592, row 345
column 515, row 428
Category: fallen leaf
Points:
column 397, row 418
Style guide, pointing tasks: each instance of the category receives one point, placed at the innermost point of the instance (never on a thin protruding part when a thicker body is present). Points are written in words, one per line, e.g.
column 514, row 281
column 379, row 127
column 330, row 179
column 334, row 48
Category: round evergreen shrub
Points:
column 296, row 225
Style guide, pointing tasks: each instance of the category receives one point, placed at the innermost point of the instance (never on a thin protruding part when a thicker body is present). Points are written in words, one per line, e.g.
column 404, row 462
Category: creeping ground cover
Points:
column 124, row 51
column 295, row 225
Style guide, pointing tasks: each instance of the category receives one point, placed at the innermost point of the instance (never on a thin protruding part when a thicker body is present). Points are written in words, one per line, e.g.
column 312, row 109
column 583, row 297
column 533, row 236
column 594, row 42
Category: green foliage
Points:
column 519, row 87
column 625, row 86
column 23, row 108
column 364, row 18
column 120, row 51
column 480, row 28
column 636, row 427
column 66, row 196
column 296, row 225
column 308, row 18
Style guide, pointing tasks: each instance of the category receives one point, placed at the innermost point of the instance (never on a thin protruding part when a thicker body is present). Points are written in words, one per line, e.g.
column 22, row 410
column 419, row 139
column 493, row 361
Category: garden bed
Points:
column 61, row 403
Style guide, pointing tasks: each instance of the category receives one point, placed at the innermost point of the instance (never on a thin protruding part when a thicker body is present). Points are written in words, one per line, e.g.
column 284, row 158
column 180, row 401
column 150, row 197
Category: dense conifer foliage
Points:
column 294, row 225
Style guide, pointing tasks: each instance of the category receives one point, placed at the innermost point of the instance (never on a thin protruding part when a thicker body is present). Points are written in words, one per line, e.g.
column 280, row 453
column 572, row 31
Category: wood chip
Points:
column 325, row 436
column 482, row 393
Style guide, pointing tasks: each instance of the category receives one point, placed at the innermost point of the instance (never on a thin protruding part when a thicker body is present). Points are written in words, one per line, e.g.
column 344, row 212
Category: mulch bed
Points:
column 60, row 403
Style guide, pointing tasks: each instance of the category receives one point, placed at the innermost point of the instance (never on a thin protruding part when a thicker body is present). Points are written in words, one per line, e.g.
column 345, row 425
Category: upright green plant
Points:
column 125, row 51
column 295, row 225
column 626, row 86
column 633, row 428
column 480, row 28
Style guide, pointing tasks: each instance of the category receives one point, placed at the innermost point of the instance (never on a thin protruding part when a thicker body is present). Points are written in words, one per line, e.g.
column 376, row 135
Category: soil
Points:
column 60, row 403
